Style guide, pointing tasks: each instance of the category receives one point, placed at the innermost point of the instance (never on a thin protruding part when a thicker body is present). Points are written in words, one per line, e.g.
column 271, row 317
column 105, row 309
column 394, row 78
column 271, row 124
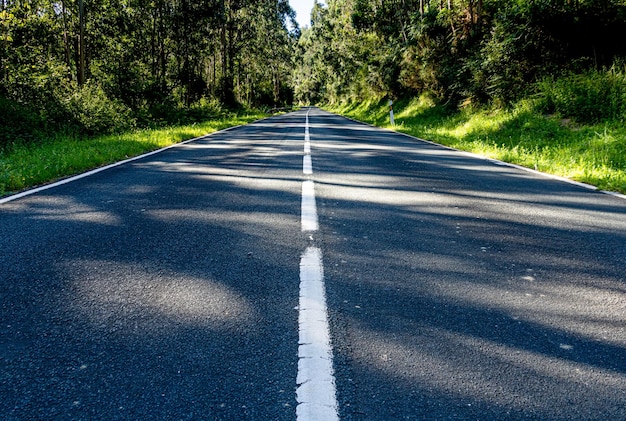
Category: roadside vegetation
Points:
column 27, row 164
column 572, row 127
column 541, row 83
column 85, row 83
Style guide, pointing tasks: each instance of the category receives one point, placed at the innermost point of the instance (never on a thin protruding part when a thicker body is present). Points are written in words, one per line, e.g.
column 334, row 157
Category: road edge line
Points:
column 493, row 160
column 85, row 174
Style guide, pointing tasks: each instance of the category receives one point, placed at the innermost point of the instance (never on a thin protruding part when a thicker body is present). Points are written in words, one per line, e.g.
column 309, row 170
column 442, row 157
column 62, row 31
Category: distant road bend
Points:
column 311, row 267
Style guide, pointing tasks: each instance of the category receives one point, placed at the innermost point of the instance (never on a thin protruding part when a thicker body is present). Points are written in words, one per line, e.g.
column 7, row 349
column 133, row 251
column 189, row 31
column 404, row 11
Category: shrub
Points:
column 168, row 112
column 17, row 122
column 589, row 97
column 94, row 113
column 205, row 109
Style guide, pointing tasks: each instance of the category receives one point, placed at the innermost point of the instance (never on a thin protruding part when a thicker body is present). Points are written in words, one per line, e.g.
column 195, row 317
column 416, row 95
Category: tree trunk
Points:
column 81, row 43
column 66, row 41
column 4, row 47
column 224, row 80
column 228, row 55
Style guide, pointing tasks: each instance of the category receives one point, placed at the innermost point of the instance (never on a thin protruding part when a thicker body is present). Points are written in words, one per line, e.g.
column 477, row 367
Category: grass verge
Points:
column 593, row 154
column 28, row 165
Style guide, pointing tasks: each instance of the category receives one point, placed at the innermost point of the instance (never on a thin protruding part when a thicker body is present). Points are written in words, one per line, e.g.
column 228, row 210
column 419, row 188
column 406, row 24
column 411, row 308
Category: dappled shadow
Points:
column 458, row 289
column 526, row 137
column 467, row 290
column 162, row 289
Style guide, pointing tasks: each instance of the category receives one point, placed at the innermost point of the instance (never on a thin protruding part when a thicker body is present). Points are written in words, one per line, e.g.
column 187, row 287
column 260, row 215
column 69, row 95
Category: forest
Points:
column 105, row 66
column 538, row 83
column 461, row 51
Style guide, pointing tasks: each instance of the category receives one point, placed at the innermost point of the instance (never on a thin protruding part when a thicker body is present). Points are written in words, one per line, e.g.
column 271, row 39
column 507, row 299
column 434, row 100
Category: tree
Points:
column 482, row 50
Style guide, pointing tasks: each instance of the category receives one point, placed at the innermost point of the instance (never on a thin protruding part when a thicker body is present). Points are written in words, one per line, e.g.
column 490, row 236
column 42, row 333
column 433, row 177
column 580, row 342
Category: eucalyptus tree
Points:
column 153, row 56
column 476, row 50
column 335, row 58
column 255, row 45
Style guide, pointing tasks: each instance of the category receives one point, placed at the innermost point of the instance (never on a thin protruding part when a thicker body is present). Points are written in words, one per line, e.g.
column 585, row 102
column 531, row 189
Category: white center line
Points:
column 307, row 166
column 307, row 136
column 309, row 209
column 316, row 391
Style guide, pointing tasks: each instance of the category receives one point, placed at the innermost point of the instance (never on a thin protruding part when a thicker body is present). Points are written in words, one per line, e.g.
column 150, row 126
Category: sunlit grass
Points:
column 27, row 165
column 594, row 154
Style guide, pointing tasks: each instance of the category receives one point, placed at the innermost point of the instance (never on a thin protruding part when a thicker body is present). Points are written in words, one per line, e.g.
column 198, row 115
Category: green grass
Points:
column 593, row 154
column 27, row 165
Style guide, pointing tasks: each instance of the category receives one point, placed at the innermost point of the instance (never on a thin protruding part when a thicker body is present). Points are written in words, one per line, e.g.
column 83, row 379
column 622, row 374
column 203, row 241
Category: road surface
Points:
column 177, row 286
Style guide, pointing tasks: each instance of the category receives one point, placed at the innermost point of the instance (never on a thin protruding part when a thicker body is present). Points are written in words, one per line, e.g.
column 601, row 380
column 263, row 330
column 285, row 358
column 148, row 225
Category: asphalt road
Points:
column 457, row 288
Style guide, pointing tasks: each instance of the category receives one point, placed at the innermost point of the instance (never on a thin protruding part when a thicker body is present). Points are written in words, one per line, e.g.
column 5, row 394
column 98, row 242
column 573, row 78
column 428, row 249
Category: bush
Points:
column 18, row 123
column 93, row 112
column 205, row 109
column 589, row 97
column 61, row 107
column 168, row 112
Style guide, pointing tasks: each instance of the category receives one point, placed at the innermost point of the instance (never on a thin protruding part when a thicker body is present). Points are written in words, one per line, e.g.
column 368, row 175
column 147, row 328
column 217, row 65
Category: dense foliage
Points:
column 478, row 51
column 94, row 66
column 541, row 83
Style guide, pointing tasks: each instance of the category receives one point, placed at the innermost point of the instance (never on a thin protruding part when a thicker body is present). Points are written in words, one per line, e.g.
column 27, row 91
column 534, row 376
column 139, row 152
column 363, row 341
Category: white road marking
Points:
column 309, row 209
column 307, row 166
column 316, row 391
column 307, row 145
column 97, row 170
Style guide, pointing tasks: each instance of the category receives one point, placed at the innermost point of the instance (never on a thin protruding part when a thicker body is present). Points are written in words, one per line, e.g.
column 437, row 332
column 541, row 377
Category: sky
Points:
column 303, row 11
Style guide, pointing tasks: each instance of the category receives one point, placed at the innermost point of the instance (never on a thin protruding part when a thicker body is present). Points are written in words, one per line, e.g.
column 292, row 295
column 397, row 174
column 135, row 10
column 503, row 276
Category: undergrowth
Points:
column 27, row 164
column 522, row 134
